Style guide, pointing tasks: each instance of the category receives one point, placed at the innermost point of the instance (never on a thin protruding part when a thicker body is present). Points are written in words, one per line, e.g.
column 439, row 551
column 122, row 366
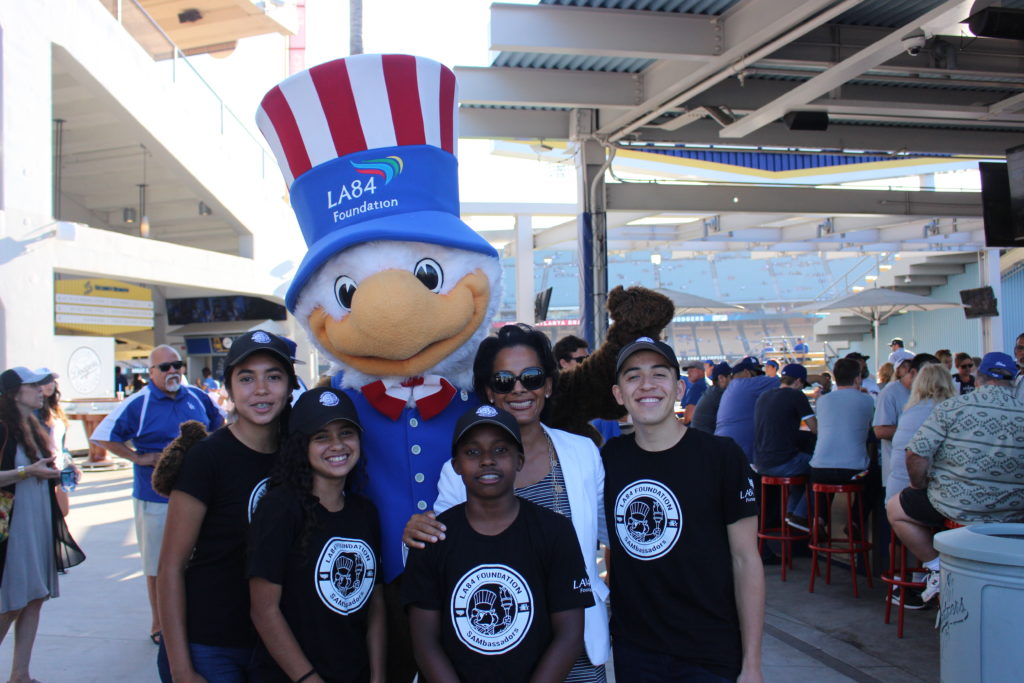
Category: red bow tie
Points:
column 431, row 394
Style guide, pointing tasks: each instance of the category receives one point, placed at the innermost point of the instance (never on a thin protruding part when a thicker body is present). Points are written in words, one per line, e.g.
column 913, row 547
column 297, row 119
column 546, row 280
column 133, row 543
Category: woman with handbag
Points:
column 34, row 543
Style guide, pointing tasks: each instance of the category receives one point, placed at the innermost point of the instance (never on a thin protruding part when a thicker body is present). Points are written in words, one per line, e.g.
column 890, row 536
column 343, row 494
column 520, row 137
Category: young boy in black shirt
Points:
column 687, row 584
column 502, row 597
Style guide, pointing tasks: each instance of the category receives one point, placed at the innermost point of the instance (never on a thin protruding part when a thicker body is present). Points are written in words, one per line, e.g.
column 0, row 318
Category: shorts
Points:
column 149, row 532
column 916, row 505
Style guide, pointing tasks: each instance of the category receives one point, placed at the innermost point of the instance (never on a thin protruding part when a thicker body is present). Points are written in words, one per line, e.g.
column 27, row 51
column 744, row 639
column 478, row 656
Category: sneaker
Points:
column 911, row 598
column 931, row 586
column 797, row 522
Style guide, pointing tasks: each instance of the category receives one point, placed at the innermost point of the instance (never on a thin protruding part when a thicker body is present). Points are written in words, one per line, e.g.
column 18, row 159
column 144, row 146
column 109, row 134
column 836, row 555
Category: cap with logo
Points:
column 749, row 363
column 256, row 341
column 486, row 414
column 318, row 407
column 998, row 365
column 367, row 147
column 646, row 344
column 899, row 357
column 795, row 370
column 721, row 369
column 11, row 380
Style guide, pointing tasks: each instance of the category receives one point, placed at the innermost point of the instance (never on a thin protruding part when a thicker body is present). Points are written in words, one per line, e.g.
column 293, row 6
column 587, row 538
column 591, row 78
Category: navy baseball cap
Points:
column 487, row 414
column 318, row 407
column 722, row 368
column 998, row 365
column 255, row 341
column 646, row 344
column 748, row 363
column 856, row 355
column 795, row 370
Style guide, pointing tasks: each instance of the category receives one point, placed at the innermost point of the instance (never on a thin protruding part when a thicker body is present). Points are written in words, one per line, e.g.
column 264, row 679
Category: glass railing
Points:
column 207, row 110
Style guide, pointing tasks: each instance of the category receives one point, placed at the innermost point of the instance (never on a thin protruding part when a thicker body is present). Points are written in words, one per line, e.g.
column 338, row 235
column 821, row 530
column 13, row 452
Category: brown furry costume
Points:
column 165, row 473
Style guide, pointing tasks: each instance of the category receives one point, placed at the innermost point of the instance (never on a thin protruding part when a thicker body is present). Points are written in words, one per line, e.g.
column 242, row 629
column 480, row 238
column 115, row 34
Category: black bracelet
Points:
column 308, row 674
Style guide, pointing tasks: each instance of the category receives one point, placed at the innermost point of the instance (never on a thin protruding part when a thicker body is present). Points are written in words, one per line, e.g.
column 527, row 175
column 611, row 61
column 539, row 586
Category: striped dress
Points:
column 550, row 493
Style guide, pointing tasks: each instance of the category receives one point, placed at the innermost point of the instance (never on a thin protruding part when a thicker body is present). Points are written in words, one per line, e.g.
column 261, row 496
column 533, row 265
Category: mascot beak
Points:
column 399, row 328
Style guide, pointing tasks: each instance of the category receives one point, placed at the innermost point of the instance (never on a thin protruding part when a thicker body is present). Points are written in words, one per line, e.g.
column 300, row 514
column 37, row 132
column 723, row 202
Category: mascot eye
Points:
column 429, row 272
column 344, row 290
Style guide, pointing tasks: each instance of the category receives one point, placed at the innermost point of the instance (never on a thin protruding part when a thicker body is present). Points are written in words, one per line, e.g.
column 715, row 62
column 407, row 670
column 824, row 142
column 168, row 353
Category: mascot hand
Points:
column 637, row 312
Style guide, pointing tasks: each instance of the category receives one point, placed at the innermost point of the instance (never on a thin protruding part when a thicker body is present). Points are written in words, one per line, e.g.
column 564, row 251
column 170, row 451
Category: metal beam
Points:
column 931, row 22
column 514, row 124
column 545, row 87
column 773, row 199
column 592, row 32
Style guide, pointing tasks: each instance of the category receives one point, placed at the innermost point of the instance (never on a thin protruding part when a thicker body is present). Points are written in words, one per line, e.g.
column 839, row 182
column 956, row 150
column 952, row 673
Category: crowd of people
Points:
column 262, row 552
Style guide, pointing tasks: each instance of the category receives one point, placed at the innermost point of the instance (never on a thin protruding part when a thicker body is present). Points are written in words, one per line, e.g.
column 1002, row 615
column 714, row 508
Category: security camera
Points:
column 914, row 44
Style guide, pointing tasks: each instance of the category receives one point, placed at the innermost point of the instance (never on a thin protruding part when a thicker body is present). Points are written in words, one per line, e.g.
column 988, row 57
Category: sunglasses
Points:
column 580, row 359
column 967, row 365
column 164, row 367
column 503, row 382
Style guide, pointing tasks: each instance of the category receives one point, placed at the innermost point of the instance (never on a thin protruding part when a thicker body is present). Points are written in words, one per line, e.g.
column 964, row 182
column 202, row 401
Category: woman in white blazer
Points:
column 563, row 472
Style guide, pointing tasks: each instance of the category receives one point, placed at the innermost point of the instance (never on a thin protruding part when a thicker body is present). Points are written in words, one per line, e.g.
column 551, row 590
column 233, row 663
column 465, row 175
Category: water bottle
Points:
column 67, row 478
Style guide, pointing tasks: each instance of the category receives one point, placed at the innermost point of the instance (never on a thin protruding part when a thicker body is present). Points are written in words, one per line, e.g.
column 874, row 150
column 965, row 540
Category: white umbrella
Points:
column 877, row 305
column 692, row 302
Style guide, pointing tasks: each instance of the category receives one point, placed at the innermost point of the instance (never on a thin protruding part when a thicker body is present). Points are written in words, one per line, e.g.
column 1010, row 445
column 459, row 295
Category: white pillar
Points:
column 524, row 269
column 989, row 274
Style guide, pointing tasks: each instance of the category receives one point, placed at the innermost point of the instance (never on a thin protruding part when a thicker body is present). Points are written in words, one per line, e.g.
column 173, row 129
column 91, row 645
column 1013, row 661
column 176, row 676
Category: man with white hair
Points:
column 150, row 419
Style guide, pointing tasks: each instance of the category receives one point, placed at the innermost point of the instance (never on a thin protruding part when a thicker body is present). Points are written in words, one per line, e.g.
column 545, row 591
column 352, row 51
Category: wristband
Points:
column 22, row 474
column 308, row 674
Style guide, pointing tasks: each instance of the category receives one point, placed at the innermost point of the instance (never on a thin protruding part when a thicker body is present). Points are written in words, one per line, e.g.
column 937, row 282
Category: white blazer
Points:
column 584, row 484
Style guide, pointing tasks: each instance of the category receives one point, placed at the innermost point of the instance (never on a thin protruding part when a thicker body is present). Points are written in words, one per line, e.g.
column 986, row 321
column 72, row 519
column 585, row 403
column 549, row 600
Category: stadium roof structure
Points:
column 706, row 84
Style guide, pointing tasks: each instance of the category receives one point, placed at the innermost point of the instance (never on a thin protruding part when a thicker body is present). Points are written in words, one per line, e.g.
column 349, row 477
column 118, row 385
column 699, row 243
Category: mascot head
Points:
column 394, row 284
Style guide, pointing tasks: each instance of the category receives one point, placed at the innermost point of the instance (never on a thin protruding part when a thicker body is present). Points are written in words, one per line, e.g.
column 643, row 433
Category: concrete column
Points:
column 593, row 227
column 524, row 269
column 990, row 276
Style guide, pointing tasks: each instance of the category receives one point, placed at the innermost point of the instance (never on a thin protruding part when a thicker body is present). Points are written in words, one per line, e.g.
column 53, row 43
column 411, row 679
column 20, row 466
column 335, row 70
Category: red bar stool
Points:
column 822, row 540
column 950, row 524
column 899, row 575
column 783, row 533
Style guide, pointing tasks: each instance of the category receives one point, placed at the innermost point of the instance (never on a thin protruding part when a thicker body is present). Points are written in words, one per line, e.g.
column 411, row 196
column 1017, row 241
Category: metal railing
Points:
column 180, row 71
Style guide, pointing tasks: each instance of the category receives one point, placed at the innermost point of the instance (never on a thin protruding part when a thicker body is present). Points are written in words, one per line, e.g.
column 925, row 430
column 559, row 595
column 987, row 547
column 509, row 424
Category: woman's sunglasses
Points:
column 503, row 382
column 176, row 364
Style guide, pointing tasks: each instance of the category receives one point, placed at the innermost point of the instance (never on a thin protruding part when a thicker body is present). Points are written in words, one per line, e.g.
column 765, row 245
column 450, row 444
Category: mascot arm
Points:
column 585, row 393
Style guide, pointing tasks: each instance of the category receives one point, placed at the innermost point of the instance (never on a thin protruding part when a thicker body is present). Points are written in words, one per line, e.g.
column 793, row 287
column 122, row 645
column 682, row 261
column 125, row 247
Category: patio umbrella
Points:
column 692, row 302
column 877, row 305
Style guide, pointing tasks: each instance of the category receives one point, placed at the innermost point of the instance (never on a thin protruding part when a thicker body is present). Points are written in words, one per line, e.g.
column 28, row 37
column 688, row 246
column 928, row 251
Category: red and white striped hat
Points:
column 359, row 103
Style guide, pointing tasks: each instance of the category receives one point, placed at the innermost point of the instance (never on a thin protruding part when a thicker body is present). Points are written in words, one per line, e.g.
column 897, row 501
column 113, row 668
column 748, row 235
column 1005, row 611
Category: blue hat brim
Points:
column 431, row 227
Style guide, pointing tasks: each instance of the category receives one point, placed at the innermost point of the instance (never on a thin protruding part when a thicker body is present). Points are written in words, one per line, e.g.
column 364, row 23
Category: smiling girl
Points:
column 314, row 554
column 202, row 592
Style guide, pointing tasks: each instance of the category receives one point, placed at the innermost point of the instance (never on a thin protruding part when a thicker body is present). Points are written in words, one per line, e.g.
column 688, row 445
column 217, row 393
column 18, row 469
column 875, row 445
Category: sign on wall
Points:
column 85, row 366
column 101, row 307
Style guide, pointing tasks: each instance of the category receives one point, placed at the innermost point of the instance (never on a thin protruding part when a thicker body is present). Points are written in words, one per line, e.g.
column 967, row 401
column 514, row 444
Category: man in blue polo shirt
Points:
column 696, row 383
column 150, row 419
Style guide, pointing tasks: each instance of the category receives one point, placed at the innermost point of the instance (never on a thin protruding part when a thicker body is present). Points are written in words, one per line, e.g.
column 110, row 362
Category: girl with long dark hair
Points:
column 314, row 554
column 201, row 588
column 34, row 543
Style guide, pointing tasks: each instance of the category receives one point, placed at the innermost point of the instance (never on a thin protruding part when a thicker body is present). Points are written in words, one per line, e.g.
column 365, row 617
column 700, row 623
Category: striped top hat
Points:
column 367, row 147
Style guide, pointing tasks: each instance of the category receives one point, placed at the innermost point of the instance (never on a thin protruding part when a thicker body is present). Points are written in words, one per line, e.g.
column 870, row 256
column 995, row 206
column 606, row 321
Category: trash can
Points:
column 981, row 617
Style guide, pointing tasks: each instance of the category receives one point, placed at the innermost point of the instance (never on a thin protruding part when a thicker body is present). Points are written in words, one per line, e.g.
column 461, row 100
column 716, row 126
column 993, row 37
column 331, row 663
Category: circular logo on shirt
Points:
column 647, row 519
column 487, row 411
column 345, row 574
column 492, row 609
column 260, row 337
column 258, row 492
column 329, row 399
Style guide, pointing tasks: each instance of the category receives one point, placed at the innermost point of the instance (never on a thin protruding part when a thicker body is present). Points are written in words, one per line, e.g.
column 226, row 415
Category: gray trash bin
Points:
column 981, row 619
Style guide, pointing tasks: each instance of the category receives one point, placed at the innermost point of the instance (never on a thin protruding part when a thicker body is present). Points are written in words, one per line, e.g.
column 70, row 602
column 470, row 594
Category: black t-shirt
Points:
column 777, row 416
column 672, row 581
column 325, row 586
column 496, row 593
column 705, row 415
column 229, row 478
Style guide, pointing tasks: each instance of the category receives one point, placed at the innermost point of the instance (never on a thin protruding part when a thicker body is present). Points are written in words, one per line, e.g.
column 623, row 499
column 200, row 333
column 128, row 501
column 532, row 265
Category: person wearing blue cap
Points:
column 736, row 412
column 696, row 385
column 962, row 473
column 705, row 415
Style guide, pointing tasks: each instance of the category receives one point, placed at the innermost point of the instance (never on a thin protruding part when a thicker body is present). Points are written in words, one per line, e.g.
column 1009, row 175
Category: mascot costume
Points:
column 395, row 289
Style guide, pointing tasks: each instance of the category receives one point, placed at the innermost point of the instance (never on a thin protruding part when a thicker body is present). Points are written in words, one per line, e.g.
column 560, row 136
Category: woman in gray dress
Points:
column 28, row 563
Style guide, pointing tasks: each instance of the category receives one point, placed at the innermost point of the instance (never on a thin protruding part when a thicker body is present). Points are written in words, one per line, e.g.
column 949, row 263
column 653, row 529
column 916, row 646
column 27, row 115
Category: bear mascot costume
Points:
column 395, row 289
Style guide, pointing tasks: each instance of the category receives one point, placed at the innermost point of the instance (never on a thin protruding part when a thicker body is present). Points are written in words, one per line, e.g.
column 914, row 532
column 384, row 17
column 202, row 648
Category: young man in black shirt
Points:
column 501, row 598
column 687, row 583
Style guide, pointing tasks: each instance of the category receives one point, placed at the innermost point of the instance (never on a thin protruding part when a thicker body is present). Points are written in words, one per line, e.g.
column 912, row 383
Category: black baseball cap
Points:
column 646, row 344
column 796, row 371
column 749, row 363
column 11, row 380
column 255, row 341
column 856, row 355
column 722, row 368
column 487, row 414
column 319, row 407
